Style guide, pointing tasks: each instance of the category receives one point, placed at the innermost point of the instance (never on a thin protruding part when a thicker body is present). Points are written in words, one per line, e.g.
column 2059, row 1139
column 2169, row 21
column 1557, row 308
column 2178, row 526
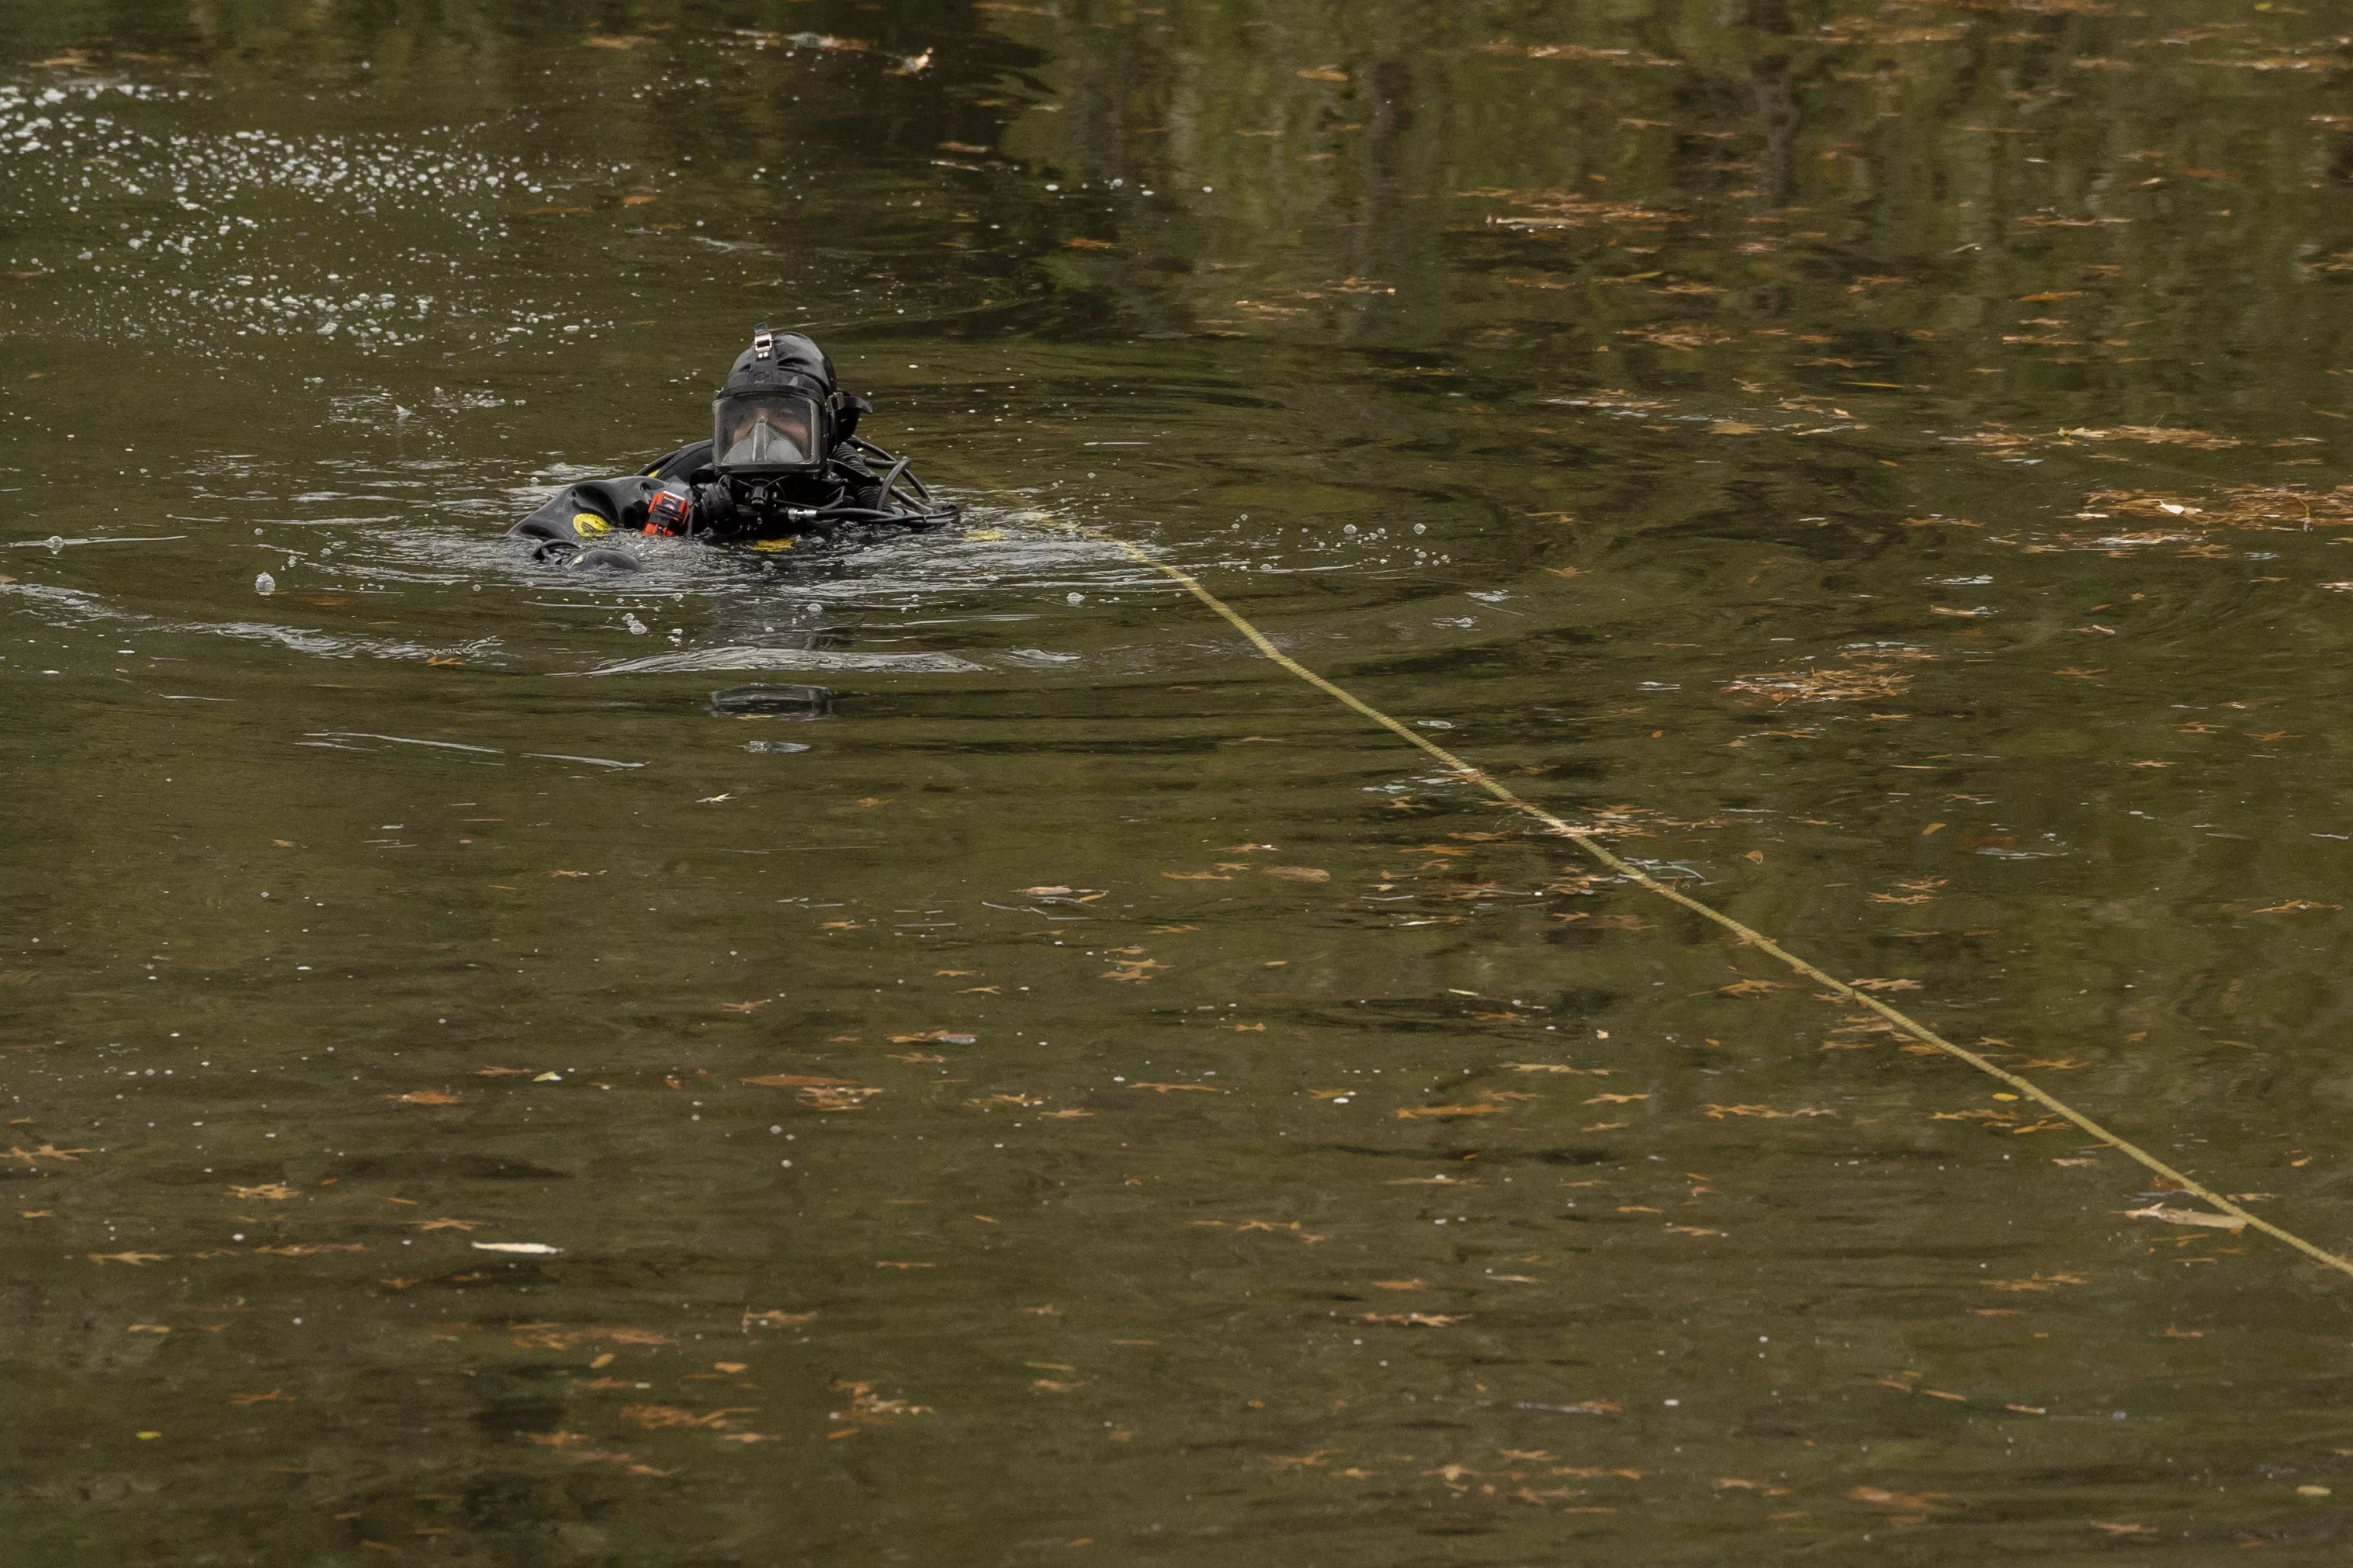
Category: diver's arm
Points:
column 583, row 518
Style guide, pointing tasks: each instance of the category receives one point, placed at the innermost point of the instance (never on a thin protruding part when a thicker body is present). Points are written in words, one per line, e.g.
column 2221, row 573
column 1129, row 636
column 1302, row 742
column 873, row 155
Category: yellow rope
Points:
column 1585, row 840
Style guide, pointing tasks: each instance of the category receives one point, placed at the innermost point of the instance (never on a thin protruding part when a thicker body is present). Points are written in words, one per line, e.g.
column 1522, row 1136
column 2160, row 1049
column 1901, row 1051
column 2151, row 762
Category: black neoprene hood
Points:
column 782, row 362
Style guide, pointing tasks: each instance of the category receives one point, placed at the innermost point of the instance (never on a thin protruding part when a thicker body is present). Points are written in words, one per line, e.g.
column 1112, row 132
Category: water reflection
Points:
column 1100, row 1096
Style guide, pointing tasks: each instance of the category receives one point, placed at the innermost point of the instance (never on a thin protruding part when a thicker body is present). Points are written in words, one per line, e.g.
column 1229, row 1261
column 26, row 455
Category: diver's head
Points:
column 779, row 415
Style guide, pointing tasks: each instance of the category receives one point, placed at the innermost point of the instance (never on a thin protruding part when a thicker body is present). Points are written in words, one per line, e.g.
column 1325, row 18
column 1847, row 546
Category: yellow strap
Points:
column 1585, row 840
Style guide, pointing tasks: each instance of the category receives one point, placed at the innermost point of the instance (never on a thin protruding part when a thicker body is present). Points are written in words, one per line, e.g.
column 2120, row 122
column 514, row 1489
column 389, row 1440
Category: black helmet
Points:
column 779, row 413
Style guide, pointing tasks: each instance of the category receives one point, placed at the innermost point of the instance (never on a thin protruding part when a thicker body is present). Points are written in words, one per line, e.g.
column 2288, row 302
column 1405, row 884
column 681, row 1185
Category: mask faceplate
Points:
column 767, row 433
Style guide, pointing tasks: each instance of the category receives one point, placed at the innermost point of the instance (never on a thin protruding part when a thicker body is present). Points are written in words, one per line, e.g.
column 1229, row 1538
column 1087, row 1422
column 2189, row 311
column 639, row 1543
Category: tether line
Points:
column 1586, row 839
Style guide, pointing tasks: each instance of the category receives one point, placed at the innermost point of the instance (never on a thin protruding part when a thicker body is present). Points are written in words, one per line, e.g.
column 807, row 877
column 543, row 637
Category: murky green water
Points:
column 1888, row 458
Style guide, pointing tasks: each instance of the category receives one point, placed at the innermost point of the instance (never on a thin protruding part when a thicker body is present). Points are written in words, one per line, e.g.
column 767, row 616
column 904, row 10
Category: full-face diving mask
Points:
column 762, row 434
column 778, row 413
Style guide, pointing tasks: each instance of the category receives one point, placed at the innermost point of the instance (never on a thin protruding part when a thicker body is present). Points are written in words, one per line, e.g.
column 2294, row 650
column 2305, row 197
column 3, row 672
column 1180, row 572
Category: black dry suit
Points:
column 784, row 463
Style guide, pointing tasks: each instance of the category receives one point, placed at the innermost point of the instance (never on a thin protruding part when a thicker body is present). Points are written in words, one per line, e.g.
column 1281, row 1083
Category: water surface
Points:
column 479, row 1094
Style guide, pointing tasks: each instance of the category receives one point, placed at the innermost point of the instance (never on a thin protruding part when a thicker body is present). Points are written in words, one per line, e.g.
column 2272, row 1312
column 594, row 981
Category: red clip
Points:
column 669, row 512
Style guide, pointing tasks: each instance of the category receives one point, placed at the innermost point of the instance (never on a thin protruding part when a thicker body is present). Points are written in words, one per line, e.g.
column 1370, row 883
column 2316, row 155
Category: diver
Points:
column 783, row 463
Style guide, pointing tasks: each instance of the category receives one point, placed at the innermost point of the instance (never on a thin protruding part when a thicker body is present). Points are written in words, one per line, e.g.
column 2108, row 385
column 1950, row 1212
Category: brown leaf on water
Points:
column 1422, row 1112
column 1718, row 1112
column 1063, row 1115
column 1557, row 1066
column 1299, row 873
column 776, row 1318
column 1322, row 73
column 502, row 1072
column 2041, row 1282
column 1884, row 984
column 460, row 1224
column 868, row 1408
column 745, row 1006
column 273, row 1190
column 273, row 1397
column 2156, row 436
column 1303, row 1461
column 2124, row 1529
column 2187, row 1216
column 2296, row 907
column 1194, row 877
column 1910, row 1500
column 1174, row 1088
column 425, row 1097
column 1755, row 987
column 852, row 1098
column 1869, row 682
column 301, row 1251
column 1416, row 1319
column 1693, row 1230
column 1683, row 338
column 1081, row 242
column 1400, row 1284
column 654, row 1418
column 45, row 1152
column 799, row 1081
column 134, row 1258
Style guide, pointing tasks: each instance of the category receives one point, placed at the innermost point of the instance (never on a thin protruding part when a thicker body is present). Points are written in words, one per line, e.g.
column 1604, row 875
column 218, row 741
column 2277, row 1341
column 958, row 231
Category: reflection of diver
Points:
column 784, row 461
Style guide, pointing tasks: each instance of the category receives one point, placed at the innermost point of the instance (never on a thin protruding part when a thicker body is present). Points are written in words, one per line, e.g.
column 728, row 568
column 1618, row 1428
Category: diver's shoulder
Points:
column 682, row 462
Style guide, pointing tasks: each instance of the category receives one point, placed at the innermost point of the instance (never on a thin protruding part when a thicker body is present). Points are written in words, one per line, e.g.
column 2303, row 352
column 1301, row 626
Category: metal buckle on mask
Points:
column 764, row 343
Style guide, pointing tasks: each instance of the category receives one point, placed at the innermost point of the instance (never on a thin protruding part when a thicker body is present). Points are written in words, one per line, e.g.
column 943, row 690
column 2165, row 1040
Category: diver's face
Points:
column 789, row 423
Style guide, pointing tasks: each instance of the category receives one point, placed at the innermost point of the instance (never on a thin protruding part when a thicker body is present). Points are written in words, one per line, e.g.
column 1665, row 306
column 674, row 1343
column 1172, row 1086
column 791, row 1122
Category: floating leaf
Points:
column 1900, row 1499
column 2187, row 1217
